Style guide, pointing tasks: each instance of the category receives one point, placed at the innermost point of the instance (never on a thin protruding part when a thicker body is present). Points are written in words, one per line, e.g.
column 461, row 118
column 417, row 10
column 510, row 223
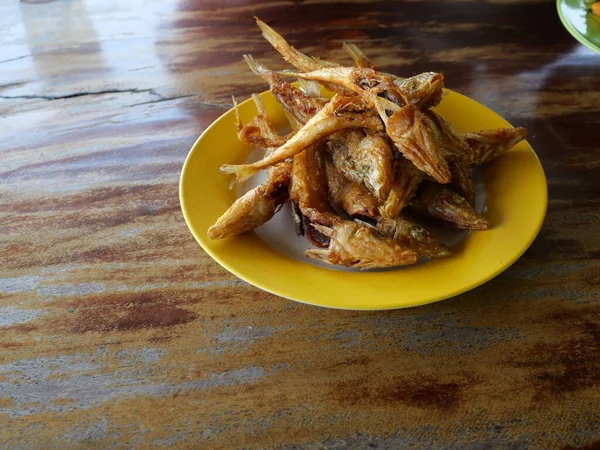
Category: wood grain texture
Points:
column 117, row 331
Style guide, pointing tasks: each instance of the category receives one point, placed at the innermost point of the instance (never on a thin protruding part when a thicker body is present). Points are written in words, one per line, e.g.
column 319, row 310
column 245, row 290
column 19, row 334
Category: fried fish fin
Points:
column 461, row 182
column 439, row 202
column 299, row 104
column 414, row 136
column 256, row 206
column 412, row 235
column 485, row 145
column 450, row 142
column 356, row 245
column 360, row 59
column 296, row 58
column 406, row 181
column 289, row 53
column 339, row 113
column 349, row 196
column 259, row 132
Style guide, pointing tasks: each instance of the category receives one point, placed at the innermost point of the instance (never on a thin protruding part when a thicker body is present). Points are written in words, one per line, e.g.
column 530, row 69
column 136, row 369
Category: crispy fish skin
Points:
column 415, row 137
column 356, row 245
column 486, row 145
column 462, row 183
column 406, row 181
column 339, row 113
column 349, row 196
column 309, row 183
column 439, row 202
column 255, row 207
column 339, row 145
column 413, row 236
column 308, row 189
column 373, row 158
column 297, row 103
column 364, row 157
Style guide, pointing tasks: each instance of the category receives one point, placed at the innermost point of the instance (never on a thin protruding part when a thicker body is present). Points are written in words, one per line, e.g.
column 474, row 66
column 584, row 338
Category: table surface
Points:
column 117, row 330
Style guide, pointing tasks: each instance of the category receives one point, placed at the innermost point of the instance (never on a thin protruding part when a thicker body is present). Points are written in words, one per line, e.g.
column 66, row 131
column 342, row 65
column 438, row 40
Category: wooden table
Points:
column 117, row 330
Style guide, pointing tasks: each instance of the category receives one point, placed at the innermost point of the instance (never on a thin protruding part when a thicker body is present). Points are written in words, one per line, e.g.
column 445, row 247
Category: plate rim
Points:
column 408, row 304
column 573, row 31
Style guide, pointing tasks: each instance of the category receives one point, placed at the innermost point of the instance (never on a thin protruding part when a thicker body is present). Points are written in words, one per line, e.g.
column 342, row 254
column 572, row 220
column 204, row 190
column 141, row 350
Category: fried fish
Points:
column 357, row 245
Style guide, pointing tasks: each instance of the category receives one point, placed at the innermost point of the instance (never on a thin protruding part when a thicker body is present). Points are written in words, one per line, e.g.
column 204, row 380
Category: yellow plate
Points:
column 516, row 198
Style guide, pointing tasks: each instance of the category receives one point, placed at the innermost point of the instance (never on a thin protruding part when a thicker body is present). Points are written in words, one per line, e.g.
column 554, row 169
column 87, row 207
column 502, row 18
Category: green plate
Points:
column 584, row 26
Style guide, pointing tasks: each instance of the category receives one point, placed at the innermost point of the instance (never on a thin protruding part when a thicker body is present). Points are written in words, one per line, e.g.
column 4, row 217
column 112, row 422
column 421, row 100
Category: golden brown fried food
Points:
column 289, row 53
column 450, row 142
column 356, row 245
column 349, row 196
column 364, row 157
column 256, row 206
column 462, row 183
column 423, row 90
column 259, row 132
column 296, row 58
column 412, row 235
column 415, row 137
column 260, row 204
column 359, row 58
column 486, row 145
column 297, row 103
column 373, row 159
column 439, row 202
column 360, row 174
column 308, row 189
column 339, row 113
column 406, row 181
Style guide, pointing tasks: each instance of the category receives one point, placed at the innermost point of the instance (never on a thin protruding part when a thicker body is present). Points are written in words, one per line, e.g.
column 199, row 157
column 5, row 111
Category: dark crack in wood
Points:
column 82, row 94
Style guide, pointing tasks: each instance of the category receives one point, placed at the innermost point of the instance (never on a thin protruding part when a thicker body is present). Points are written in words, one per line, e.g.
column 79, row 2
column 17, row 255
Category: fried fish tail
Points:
column 259, row 132
column 289, row 53
column 486, row 145
column 360, row 59
column 439, row 202
column 241, row 171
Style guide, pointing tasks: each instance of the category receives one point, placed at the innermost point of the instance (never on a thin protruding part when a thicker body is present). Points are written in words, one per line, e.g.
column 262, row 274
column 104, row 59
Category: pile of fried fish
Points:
column 360, row 168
